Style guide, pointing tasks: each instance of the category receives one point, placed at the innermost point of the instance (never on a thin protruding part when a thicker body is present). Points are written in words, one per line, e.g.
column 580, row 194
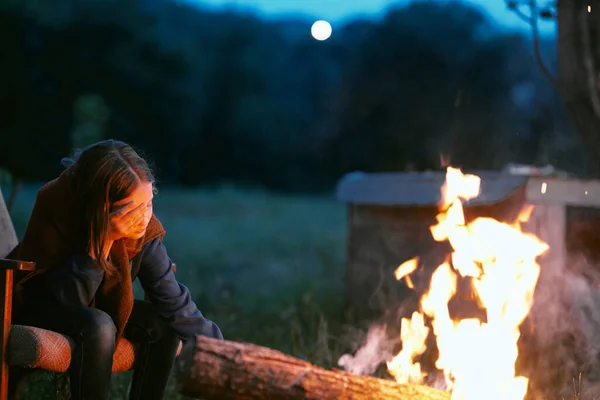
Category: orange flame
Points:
column 477, row 358
column 405, row 269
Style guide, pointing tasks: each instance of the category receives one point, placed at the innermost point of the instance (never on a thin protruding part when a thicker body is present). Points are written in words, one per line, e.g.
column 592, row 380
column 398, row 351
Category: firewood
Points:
column 211, row 369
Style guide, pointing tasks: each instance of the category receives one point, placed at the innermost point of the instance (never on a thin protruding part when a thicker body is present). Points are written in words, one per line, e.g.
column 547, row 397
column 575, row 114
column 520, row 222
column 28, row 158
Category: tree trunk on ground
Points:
column 579, row 66
column 211, row 369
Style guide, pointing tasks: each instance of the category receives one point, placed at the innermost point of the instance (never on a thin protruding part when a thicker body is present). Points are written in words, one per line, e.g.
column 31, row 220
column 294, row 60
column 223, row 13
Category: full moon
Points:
column 321, row 30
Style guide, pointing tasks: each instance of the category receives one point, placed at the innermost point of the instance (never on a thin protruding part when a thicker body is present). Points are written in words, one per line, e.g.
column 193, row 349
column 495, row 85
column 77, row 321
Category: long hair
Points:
column 104, row 173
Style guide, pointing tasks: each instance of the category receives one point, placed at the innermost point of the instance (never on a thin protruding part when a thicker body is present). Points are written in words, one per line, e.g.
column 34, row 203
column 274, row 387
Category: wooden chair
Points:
column 30, row 347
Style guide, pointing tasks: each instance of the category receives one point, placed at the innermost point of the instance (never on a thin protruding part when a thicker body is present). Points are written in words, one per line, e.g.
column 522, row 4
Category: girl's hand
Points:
column 125, row 221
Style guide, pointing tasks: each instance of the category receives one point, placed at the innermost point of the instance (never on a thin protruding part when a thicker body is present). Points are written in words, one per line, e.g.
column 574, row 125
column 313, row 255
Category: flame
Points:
column 477, row 358
column 405, row 269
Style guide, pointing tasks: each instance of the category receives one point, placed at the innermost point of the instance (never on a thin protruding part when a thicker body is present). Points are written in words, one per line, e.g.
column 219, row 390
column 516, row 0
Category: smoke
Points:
column 377, row 349
column 565, row 339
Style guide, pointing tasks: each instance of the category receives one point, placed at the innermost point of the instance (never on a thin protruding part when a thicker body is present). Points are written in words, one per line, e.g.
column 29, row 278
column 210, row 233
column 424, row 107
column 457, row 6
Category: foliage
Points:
column 389, row 118
column 91, row 116
column 229, row 97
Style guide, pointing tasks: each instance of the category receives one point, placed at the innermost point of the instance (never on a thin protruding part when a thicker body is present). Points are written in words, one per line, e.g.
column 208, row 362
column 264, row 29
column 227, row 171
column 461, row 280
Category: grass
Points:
column 267, row 268
column 251, row 260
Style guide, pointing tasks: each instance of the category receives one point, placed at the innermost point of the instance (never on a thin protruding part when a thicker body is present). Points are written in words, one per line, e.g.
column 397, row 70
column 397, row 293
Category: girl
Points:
column 91, row 233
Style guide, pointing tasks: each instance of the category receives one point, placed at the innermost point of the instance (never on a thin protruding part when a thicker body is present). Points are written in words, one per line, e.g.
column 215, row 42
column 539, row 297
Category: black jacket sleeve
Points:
column 172, row 299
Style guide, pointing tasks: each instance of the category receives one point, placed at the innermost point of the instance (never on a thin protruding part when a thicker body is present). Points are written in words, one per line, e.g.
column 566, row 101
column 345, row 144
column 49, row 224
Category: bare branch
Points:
column 532, row 20
column 537, row 45
column 588, row 61
column 515, row 7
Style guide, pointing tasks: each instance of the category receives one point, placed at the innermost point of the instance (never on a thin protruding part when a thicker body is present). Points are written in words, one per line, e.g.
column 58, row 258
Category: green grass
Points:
column 267, row 268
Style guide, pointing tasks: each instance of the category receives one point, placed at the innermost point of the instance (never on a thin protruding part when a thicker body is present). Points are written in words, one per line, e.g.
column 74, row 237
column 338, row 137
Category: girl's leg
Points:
column 94, row 334
column 16, row 380
column 157, row 348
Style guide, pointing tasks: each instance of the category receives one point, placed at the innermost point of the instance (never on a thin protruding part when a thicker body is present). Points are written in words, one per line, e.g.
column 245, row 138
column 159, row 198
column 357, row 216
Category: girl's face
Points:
column 141, row 195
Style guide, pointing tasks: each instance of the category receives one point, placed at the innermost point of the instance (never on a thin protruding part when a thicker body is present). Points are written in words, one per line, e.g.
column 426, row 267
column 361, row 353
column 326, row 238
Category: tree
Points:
column 51, row 58
column 578, row 78
column 421, row 89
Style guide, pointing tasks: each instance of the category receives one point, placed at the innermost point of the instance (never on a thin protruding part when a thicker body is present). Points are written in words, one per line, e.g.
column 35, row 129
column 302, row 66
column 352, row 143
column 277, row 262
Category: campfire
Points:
column 476, row 355
column 463, row 342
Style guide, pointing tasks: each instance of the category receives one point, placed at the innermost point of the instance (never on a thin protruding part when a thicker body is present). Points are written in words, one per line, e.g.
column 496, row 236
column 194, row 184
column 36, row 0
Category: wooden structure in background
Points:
column 222, row 370
column 389, row 215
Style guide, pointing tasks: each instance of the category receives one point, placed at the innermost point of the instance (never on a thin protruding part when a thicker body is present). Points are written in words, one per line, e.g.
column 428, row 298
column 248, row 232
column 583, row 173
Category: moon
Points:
column 321, row 30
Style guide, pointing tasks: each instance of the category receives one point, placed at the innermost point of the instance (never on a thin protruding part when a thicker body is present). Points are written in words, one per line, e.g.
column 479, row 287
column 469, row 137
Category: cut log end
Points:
column 213, row 369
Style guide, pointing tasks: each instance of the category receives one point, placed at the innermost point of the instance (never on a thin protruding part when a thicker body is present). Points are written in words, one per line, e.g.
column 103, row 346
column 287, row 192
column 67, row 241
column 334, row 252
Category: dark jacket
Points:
column 76, row 284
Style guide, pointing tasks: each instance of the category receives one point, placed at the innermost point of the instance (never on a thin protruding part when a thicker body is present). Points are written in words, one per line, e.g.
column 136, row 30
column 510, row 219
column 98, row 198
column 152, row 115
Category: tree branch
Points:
column 532, row 20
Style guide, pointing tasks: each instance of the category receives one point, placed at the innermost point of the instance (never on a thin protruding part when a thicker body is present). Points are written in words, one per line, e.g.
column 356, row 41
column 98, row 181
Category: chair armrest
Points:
column 7, row 271
column 16, row 265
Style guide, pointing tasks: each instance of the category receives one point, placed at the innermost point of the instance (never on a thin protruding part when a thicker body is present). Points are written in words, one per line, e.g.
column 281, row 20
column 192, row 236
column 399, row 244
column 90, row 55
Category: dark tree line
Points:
column 224, row 96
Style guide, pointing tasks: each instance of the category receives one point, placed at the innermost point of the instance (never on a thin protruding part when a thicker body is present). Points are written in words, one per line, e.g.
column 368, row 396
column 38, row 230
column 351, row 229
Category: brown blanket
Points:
column 56, row 232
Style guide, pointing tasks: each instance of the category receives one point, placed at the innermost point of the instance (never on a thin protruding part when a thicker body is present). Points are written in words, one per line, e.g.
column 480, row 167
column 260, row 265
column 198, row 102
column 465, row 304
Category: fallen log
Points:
column 211, row 369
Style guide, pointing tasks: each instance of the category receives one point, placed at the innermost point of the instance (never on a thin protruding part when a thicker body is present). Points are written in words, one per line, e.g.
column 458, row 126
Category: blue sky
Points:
column 335, row 11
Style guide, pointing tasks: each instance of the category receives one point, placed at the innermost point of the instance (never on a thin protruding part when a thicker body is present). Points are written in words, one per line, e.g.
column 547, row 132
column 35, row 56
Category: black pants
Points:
column 94, row 334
